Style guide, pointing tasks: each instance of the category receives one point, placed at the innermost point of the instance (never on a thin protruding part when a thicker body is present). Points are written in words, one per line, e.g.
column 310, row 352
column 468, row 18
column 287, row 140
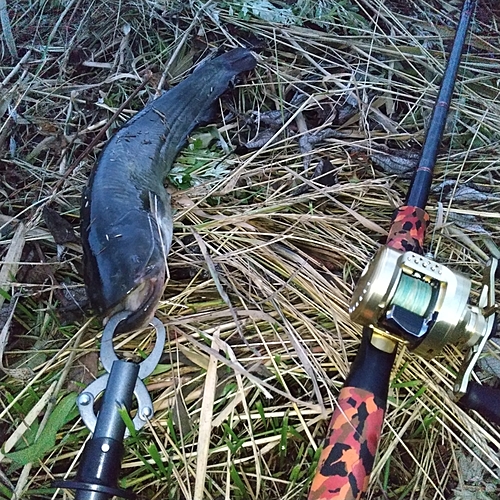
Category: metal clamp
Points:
column 109, row 359
column 108, row 354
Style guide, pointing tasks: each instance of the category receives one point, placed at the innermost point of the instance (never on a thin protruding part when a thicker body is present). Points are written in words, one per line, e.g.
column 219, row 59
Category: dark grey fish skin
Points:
column 126, row 219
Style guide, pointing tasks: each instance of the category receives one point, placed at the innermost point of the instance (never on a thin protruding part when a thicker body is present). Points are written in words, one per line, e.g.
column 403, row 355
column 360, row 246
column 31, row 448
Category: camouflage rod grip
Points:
column 346, row 461
column 408, row 229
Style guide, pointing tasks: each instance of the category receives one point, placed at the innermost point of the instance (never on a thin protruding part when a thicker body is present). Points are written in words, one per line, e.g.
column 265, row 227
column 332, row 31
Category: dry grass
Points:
column 273, row 354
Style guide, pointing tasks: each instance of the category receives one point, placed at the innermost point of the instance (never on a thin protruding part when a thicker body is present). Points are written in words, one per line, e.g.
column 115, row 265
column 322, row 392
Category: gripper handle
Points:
column 347, row 458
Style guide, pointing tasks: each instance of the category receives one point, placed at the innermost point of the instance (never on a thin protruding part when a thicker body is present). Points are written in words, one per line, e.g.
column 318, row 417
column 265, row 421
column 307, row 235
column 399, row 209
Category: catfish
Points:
column 126, row 213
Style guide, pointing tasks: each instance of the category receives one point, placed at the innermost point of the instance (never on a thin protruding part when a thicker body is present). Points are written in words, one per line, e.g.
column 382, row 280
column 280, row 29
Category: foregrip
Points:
column 347, row 458
column 407, row 230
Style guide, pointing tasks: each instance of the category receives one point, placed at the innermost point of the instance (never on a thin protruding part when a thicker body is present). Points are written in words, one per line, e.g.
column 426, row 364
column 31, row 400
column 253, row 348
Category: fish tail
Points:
column 238, row 60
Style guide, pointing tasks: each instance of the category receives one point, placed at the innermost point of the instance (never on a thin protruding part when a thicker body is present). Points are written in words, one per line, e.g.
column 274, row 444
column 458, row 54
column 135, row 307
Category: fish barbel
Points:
column 126, row 215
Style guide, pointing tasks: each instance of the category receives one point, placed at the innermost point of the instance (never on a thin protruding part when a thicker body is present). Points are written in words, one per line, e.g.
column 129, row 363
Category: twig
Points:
column 57, row 25
column 7, row 31
column 10, row 266
column 205, row 429
column 180, row 45
column 17, row 67
column 27, row 421
column 224, row 296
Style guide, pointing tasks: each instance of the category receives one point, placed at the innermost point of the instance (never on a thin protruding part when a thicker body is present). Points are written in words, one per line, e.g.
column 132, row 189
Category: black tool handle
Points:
column 100, row 465
column 484, row 399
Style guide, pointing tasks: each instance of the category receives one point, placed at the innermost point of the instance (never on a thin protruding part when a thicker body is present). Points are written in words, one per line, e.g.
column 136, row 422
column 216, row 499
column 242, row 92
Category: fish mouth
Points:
column 140, row 302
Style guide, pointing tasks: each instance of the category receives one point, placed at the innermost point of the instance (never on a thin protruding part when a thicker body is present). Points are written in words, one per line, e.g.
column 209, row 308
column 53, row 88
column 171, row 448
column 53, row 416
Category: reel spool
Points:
column 410, row 298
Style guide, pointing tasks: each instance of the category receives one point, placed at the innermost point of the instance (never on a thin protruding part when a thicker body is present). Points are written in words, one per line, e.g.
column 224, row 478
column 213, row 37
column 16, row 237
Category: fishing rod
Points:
column 406, row 297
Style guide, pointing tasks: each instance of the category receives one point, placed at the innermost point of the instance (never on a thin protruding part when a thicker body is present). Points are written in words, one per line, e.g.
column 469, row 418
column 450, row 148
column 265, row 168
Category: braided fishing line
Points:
column 413, row 295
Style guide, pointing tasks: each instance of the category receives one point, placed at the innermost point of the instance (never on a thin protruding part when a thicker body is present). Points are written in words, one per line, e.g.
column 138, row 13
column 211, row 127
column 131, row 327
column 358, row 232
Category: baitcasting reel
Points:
column 407, row 297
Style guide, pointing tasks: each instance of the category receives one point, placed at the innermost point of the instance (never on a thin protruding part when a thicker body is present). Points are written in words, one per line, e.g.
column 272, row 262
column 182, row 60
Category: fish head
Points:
column 125, row 266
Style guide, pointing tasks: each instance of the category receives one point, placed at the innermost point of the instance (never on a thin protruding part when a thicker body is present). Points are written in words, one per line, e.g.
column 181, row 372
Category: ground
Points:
column 264, row 258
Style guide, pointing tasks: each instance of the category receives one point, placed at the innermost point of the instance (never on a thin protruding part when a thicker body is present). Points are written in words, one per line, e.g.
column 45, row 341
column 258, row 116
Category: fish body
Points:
column 126, row 217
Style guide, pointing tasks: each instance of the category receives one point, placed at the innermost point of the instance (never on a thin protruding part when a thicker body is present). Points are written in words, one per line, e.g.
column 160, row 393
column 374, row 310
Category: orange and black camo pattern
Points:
column 347, row 459
column 408, row 230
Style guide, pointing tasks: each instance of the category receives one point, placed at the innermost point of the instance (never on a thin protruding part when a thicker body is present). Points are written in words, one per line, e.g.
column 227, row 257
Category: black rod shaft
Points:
column 421, row 183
